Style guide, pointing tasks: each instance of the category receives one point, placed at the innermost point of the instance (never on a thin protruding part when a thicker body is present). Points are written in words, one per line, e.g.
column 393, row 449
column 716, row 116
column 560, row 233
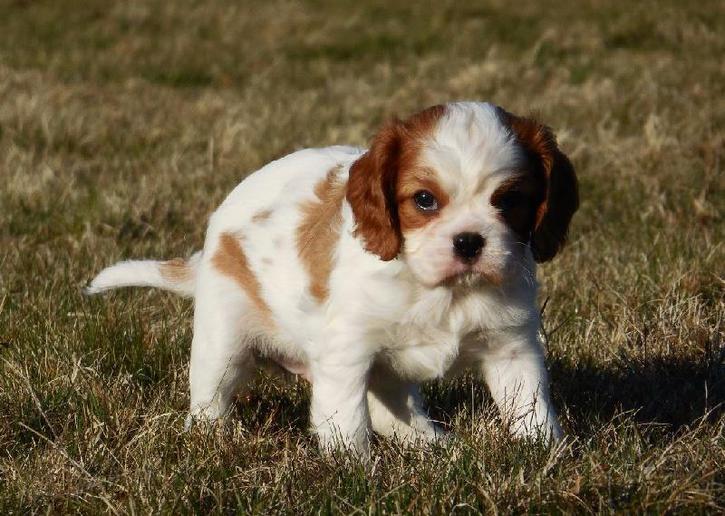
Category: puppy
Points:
column 369, row 271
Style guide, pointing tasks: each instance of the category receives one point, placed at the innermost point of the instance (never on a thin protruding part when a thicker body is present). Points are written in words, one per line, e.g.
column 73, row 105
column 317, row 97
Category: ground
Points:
column 122, row 126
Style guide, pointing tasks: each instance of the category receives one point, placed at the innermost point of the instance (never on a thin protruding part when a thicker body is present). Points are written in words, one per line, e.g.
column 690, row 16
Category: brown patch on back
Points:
column 372, row 189
column 230, row 260
column 261, row 216
column 319, row 232
column 175, row 270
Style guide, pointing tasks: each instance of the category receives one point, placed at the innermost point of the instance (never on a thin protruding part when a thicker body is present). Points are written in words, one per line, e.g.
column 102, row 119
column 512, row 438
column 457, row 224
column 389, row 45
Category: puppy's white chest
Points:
column 439, row 332
column 426, row 342
column 424, row 353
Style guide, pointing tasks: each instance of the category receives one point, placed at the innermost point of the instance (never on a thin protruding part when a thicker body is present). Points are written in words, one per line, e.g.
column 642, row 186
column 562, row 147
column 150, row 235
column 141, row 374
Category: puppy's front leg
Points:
column 513, row 367
column 339, row 410
column 395, row 408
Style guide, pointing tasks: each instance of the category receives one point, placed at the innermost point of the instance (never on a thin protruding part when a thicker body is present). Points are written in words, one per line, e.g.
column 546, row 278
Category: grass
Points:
column 123, row 125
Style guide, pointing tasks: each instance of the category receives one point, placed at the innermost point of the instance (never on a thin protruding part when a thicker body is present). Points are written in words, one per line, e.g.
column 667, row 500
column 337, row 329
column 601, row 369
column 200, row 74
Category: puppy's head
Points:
column 462, row 192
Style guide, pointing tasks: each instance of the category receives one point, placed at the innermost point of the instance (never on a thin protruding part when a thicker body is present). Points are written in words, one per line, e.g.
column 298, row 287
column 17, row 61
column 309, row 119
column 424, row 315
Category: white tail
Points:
column 176, row 275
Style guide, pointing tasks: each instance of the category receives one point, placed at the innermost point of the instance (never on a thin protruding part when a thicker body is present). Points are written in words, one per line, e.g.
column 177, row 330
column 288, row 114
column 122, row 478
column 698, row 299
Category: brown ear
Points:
column 561, row 198
column 371, row 193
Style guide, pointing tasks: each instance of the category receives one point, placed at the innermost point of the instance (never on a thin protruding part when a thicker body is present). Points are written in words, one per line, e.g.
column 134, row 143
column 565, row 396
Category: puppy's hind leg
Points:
column 222, row 358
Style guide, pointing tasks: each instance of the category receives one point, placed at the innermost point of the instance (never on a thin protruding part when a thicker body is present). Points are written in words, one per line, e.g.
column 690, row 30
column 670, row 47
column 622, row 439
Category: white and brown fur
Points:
column 324, row 262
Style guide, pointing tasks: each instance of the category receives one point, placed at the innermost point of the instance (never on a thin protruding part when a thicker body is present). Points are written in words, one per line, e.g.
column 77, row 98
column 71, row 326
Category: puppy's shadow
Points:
column 275, row 404
column 668, row 392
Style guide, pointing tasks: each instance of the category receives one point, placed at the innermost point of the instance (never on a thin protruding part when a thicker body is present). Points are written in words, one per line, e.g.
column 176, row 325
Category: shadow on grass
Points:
column 674, row 392
column 667, row 392
column 275, row 405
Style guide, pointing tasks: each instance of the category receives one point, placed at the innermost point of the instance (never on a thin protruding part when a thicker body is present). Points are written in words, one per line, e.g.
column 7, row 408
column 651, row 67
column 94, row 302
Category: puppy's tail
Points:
column 177, row 275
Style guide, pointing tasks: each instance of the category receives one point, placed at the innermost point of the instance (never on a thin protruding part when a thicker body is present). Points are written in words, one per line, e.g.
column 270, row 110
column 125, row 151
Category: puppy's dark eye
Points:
column 425, row 200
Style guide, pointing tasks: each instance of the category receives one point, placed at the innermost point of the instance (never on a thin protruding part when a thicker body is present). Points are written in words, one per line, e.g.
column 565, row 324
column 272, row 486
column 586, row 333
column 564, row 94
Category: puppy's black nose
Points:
column 468, row 245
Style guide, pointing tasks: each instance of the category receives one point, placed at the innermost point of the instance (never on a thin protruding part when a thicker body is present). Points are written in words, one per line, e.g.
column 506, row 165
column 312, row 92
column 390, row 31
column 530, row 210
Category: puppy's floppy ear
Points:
column 371, row 193
column 561, row 198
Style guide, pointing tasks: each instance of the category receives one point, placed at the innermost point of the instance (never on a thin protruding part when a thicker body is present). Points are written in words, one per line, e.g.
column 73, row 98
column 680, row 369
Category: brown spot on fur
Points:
column 372, row 186
column 517, row 200
column 410, row 181
column 319, row 232
column 261, row 216
column 230, row 260
column 560, row 198
column 175, row 270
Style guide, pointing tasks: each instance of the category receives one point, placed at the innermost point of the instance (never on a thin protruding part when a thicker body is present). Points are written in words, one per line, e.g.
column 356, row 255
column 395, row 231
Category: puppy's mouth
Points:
column 466, row 279
column 469, row 276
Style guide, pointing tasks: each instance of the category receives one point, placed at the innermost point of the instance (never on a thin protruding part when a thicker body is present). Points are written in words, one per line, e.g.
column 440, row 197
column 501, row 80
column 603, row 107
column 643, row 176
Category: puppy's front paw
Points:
column 204, row 419
column 548, row 432
column 332, row 443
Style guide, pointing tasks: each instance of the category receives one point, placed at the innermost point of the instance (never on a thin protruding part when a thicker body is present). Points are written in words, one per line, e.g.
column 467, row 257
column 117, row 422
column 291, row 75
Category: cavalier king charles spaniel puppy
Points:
column 369, row 271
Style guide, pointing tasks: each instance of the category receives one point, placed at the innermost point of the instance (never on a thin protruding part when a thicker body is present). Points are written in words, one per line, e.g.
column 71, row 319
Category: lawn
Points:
column 123, row 125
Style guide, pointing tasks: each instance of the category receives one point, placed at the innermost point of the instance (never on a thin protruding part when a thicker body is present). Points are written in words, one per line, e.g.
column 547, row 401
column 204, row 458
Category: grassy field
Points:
column 123, row 125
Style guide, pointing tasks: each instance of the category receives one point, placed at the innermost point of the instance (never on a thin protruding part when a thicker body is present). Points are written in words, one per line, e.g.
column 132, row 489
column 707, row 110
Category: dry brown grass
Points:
column 121, row 128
